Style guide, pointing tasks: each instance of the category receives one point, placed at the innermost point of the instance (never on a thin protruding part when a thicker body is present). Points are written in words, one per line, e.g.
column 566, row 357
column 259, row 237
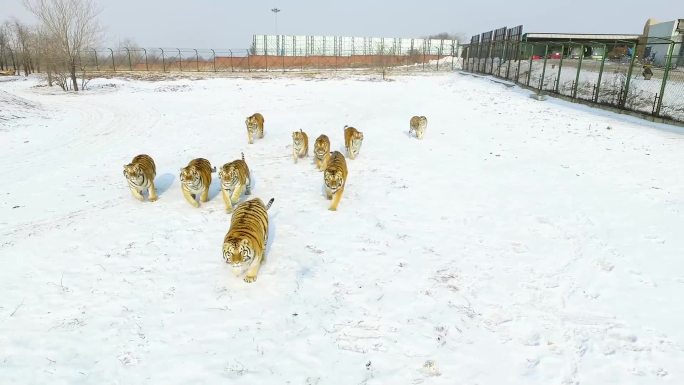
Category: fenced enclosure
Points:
column 603, row 72
column 344, row 54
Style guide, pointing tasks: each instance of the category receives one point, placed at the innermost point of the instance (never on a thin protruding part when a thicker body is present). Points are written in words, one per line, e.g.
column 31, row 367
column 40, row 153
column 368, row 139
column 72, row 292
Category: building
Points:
column 594, row 45
column 659, row 38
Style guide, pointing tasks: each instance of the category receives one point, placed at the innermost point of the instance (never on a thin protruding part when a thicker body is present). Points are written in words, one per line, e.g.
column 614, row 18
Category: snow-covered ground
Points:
column 521, row 242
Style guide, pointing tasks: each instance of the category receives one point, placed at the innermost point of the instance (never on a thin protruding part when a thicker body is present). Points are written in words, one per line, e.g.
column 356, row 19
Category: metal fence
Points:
column 245, row 60
column 607, row 73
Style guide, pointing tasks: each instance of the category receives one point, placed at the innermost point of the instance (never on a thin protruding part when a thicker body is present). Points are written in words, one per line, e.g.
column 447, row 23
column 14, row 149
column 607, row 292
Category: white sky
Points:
column 230, row 24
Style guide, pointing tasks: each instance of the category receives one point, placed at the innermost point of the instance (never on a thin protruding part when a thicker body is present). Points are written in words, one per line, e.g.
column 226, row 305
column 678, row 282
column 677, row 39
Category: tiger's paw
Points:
column 332, row 208
column 250, row 278
column 153, row 199
column 229, row 210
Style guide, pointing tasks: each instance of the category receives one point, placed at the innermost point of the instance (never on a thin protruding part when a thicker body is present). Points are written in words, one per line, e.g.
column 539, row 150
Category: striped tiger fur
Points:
column 322, row 152
column 140, row 175
column 352, row 141
column 255, row 127
column 244, row 246
column 235, row 180
column 195, row 180
column 300, row 145
column 418, row 124
column 335, row 177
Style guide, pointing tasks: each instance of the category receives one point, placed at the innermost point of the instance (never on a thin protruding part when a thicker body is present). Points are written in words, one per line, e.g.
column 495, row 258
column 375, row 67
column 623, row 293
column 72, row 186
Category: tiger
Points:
column 300, row 145
column 235, row 180
column 255, row 126
column 418, row 125
column 352, row 141
column 195, row 180
column 244, row 246
column 140, row 175
column 322, row 152
column 334, row 178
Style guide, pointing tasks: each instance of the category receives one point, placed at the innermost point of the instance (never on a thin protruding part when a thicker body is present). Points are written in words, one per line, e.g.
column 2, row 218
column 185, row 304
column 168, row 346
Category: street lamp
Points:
column 275, row 12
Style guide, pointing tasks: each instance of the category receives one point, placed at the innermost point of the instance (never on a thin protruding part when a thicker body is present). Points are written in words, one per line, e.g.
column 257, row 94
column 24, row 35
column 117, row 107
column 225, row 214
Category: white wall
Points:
column 660, row 47
column 290, row 45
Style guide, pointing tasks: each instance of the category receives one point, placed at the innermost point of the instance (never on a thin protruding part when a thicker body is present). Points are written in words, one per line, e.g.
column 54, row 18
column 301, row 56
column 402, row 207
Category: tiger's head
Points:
column 357, row 138
column 298, row 139
column 133, row 172
column 228, row 174
column 333, row 179
column 251, row 122
column 321, row 147
column 239, row 253
column 189, row 175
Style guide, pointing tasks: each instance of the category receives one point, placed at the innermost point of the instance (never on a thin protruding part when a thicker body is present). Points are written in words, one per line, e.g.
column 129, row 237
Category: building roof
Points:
column 580, row 36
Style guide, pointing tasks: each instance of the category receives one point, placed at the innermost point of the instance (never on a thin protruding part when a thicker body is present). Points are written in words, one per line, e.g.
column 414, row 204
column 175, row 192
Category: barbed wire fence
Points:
column 647, row 78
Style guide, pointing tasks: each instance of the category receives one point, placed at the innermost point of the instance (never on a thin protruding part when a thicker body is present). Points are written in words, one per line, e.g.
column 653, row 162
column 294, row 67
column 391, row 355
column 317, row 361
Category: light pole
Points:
column 275, row 12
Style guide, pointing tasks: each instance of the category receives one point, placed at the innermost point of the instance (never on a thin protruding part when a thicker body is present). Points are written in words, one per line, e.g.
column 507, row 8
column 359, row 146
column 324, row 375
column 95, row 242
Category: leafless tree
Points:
column 5, row 49
column 23, row 40
column 73, row 26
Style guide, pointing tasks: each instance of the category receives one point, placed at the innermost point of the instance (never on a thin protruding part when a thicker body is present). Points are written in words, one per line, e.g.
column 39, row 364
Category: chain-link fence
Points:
column 647, row 79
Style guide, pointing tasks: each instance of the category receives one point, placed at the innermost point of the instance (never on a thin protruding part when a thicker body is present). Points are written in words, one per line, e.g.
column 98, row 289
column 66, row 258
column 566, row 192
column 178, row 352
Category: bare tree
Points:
column 23, row 39
column 5, row 49
column 73, row 26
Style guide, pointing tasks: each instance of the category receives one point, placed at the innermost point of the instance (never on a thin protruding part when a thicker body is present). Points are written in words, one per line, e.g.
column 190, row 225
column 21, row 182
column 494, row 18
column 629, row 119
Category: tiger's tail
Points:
column 243, row 156
column 268, row 205
column 345, row 126
column 213, row 169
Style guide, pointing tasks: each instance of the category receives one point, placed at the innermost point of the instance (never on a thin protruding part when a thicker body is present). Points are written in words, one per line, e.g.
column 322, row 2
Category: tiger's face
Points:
column 228, row 175
column 251, row 122
column 321, row 148
column 189, row 176
column 239, row 253
column 298, row 139
column 133, row 172
column 334, row 180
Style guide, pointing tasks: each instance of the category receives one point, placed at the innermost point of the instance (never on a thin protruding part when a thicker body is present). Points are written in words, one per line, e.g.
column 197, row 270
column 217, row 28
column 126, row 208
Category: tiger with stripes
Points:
column 352, row 141
column 255, row 127
column 334, row 178
column 417, row 125
column 244, row 246
column 140, row 175
column 235, row 180
column 195, row 180
column 321, row 152
column 300, row 145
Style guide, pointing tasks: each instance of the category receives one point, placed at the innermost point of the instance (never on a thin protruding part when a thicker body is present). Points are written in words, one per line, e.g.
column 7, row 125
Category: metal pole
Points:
column 97, row 67
column 668, row 63
column 232, row 69
column 529, row 72
column 518, row 56
column 196, row 59
column 213, row 60
column 112, row 55
column 163, row 60
column 579, row 68
column 598, row 84
column 546, row 54
column 147, row 67
column 560, row 66
column 629, row 76
column 180, row 60
column 130, row 67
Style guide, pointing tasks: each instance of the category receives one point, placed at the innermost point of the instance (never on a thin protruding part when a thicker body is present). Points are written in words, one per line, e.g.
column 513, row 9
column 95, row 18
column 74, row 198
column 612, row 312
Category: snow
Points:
column 520, row 242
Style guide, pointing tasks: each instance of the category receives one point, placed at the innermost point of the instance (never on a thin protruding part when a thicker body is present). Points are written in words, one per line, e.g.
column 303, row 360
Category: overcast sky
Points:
column 231, row 24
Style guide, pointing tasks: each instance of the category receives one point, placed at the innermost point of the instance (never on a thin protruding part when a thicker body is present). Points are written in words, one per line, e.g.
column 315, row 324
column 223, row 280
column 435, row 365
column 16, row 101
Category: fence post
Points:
column 128, row 52
column 266, row 58
column 232, row 68
column 163, row 60
column 180, row 60
column 249, row 69
column 213, row 60
column 529, row 72
column 598, row 84
column 196, row 59
column 519, row 56
column 423, row 55
column 97, row 67
column 147, row 67
column 560, row 66
column 579, row 68
column 668, row 64
column 112, row 55
column 629, row 76
column 546, row 55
